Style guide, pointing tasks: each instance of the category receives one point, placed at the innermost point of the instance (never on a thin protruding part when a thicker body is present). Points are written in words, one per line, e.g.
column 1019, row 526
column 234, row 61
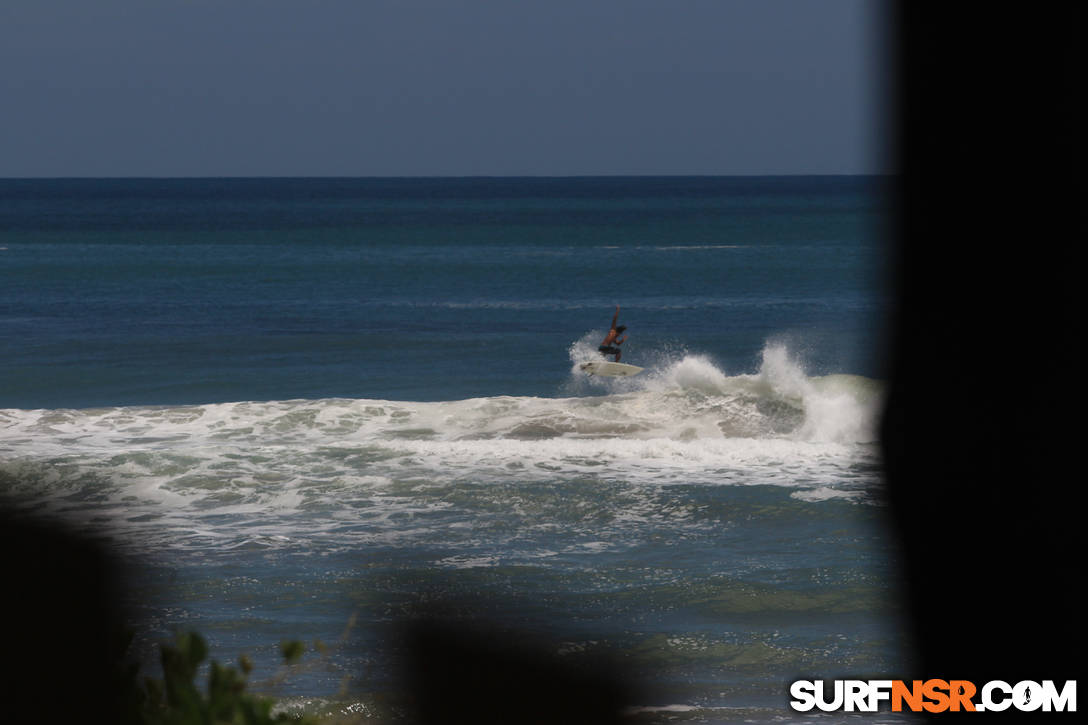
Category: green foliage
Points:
column 292, row 651
column 177, row 700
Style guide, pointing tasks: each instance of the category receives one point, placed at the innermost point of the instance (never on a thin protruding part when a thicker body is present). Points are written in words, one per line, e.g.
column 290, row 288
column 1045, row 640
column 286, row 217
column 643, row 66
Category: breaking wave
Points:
column 378, row 465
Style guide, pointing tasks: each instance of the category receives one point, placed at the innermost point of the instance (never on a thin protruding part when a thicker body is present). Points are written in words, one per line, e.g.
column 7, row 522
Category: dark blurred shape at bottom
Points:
column 478, row 673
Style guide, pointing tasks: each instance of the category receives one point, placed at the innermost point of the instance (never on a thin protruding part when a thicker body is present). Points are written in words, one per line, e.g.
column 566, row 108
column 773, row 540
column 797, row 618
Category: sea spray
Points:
column 837, row 408
column 779, row 400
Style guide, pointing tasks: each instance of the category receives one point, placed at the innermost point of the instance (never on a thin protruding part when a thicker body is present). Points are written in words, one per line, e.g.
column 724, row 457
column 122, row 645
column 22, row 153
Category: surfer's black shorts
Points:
column 608, row 350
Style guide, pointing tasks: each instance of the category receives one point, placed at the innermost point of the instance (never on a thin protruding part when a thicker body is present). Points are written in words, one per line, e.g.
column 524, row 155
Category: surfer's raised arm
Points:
column 609, row 345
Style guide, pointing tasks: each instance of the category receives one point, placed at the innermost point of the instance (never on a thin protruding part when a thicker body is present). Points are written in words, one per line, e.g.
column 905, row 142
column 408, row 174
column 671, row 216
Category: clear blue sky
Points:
column 440, row 87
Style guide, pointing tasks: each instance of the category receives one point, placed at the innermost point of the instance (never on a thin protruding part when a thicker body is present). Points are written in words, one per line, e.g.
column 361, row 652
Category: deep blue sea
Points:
column 311, row 408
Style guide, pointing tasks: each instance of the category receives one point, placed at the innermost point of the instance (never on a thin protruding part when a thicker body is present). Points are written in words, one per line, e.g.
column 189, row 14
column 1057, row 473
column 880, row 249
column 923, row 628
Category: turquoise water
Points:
column 291, row 404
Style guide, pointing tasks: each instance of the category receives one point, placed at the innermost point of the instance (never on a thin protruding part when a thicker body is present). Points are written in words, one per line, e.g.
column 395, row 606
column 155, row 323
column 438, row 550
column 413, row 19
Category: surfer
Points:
column 611, row 343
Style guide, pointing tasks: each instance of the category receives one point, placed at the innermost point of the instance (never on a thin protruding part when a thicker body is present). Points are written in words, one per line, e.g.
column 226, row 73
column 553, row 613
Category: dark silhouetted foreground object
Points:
column 62, row 626
column 980, row 451
column 454, row 673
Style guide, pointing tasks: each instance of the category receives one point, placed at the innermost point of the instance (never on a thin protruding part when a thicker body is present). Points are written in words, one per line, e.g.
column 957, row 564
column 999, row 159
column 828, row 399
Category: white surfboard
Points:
column 609, row 369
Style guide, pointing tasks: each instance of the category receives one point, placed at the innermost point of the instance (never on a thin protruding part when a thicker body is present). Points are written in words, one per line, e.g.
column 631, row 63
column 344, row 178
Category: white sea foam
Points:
column 687, row 409
column 377, row 468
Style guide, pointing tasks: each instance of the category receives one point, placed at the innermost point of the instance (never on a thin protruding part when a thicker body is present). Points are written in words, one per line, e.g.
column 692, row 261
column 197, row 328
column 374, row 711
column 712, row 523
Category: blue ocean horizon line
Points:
column 303, row 188
column 429, row 177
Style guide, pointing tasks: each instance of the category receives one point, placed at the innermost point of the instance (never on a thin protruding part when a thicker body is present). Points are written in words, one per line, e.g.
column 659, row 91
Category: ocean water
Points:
column 317, row 408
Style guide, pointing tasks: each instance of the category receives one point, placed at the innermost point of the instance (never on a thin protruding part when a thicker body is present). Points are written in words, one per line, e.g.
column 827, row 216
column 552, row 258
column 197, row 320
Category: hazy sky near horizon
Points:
column 441, row 88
